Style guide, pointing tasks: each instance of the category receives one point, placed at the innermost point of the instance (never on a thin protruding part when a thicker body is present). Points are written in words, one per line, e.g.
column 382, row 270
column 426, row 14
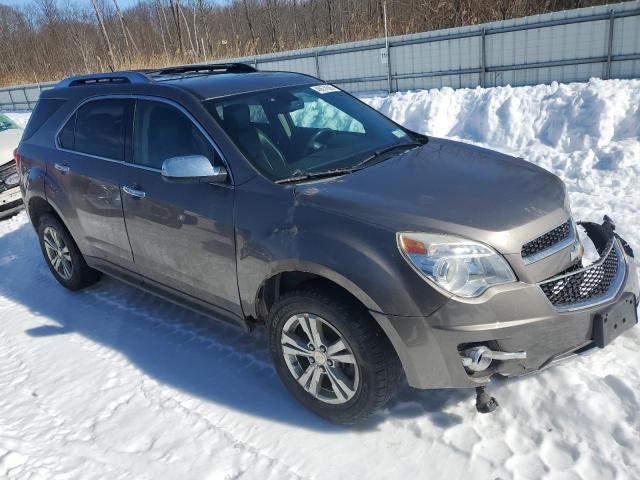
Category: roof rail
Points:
column 211, row 68
column 101, row 78
column 144, row 76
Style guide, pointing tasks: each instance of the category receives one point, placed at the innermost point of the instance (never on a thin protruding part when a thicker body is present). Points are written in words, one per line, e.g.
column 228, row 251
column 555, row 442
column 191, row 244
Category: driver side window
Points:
column 161, row 131
column 319, row 114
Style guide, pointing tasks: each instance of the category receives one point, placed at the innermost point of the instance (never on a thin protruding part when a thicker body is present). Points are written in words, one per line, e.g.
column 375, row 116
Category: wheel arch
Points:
column 38, row 206
column 289, row 277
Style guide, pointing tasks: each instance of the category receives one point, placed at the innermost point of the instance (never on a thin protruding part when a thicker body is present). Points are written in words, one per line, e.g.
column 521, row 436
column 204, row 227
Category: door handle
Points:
column 134, row 192
column 61, row 167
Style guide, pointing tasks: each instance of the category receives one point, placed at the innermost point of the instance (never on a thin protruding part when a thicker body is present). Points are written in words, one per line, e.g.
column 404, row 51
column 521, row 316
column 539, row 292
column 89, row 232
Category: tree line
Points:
column 51, row 39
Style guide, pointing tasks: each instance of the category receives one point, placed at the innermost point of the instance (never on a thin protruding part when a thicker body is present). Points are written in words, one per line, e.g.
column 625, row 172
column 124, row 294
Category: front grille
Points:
column 589, row 284
column 547, row 240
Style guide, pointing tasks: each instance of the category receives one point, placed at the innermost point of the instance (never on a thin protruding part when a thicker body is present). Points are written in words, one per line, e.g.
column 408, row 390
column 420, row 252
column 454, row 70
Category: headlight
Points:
column 460, row 266
column 12, row 179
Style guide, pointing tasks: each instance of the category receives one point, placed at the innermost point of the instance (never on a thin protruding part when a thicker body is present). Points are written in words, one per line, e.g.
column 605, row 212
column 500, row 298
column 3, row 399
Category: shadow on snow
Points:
column 179, row 348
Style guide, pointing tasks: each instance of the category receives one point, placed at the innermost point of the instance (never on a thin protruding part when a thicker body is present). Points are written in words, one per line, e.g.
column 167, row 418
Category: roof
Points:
column 204, row 81
column 222, row 85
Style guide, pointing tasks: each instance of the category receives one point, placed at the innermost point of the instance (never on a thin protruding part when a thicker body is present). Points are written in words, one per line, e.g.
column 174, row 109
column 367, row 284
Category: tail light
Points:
column 17, row 158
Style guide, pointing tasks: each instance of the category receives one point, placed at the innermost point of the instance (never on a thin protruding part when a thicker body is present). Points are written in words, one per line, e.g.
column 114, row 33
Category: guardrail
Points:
column 572, row 45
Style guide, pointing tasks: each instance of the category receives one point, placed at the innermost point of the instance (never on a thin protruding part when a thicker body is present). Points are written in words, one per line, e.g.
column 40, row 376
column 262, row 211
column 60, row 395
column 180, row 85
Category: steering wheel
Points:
column 273, row 155
column 314, row 144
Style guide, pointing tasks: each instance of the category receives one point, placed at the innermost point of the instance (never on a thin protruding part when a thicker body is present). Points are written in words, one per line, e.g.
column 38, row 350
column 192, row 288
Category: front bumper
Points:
column 510, row 318
column 10, row 201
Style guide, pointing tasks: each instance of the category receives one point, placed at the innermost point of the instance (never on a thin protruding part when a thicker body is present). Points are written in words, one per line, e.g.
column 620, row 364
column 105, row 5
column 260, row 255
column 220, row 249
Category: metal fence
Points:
column 567, row 46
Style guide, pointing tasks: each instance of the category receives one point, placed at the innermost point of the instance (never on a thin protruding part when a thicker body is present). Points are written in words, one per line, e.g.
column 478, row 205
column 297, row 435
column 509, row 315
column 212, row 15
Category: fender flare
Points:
column 295, row 265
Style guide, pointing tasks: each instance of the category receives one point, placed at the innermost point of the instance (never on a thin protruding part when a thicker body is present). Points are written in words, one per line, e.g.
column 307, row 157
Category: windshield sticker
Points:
column 322, row 89
column 399, row 133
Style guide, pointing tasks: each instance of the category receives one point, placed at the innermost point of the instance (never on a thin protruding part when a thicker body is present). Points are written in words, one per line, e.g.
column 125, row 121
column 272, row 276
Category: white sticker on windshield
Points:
column 322, row 89
column 399, row 133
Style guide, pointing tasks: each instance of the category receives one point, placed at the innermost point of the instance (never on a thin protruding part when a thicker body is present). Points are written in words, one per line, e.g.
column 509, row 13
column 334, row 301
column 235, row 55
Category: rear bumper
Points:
column 510, row 318
column 10, row 201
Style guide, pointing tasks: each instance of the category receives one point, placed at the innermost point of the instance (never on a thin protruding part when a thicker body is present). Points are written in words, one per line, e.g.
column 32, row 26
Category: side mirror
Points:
column 192, row 169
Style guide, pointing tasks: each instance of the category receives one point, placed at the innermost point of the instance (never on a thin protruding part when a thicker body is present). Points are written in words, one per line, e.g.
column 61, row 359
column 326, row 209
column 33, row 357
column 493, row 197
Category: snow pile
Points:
column 586, row 133
column 113, row 383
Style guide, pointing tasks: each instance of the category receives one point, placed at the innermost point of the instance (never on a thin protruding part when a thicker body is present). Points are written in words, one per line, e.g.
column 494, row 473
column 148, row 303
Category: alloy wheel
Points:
column 58, row 253
column 319, row 358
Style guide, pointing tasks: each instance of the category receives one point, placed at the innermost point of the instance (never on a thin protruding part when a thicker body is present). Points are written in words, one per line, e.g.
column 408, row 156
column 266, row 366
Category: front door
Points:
column 181, row 235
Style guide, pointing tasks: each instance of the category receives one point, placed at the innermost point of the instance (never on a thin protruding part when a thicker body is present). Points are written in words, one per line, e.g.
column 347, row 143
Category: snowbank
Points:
column 113, row 383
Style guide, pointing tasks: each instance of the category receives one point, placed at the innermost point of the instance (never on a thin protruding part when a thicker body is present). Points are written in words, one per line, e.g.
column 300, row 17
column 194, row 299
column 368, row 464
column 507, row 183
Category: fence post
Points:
column 612, row 19
column 386, row 44
column 315, row 54
column 13, row 105
column 483, row 58
column 26, row 99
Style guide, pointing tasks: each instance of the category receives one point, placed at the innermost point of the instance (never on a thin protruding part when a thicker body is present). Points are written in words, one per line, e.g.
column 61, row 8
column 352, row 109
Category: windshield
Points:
column 304, row 131
column 6, row 123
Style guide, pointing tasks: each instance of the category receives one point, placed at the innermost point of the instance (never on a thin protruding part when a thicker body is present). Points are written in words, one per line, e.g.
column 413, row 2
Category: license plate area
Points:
column 615, row 321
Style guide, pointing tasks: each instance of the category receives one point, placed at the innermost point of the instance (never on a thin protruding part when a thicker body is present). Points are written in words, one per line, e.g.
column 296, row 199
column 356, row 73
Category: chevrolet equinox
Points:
column 368, row 251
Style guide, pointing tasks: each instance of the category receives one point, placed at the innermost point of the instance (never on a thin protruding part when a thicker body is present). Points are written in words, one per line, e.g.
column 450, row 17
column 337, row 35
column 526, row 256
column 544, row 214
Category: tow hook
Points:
column 479, row 358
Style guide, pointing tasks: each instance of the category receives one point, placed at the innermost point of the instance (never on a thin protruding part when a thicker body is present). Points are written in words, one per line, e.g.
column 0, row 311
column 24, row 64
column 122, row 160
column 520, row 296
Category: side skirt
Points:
column 167, row 293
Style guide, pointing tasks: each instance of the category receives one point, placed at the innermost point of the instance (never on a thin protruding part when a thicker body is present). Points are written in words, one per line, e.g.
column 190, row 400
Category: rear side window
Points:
column 41, row 113
column 100, row 128
column 161, row 131
column 66, row 139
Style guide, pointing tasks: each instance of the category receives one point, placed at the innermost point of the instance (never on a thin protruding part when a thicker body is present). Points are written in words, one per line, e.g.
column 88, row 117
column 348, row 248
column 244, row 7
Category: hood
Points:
column 9, row 140
column 449, row 187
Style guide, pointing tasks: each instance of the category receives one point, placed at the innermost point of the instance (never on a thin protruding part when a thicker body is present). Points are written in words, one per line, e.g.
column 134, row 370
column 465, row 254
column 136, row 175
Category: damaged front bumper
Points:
column 541, row 323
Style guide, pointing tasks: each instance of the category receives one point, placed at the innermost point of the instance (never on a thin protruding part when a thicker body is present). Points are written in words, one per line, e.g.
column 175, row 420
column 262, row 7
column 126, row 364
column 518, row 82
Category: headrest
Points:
column 237, row 115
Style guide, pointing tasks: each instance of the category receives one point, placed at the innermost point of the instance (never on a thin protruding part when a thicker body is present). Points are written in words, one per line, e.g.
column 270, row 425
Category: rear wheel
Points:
column 63, row 256
column 332, row 356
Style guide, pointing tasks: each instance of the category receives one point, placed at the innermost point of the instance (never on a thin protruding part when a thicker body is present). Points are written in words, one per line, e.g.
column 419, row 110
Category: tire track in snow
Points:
column 47, row 428
column 162, row 396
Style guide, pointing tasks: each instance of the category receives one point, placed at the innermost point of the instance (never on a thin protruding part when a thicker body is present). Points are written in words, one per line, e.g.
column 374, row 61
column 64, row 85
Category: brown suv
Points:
column 368, row 250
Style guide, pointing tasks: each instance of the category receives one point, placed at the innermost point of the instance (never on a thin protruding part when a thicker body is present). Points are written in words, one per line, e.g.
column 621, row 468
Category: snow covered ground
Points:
column 113, row 383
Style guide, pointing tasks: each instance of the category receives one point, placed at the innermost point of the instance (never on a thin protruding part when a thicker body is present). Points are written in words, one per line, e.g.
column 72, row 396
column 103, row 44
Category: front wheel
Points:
column 332, row 356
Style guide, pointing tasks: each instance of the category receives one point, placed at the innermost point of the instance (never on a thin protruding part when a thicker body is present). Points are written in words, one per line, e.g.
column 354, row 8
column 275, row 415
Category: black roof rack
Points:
column 147, row 76
column 212, row 68
column 100, row 78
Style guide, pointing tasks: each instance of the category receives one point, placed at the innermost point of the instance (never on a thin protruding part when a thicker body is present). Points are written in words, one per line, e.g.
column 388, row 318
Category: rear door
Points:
column 182, row 235
column 92, row 143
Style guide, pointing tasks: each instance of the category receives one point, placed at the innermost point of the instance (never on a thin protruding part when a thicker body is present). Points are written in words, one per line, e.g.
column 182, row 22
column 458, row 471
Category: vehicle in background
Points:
column 367, row 250
column 10, row 196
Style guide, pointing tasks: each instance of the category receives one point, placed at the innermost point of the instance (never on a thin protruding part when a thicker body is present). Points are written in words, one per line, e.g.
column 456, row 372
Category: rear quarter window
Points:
column 41, row 113
column 66, row 139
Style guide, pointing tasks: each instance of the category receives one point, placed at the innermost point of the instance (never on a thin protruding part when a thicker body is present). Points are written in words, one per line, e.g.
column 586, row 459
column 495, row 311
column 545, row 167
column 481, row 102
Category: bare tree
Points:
column 56, row 39
column 100, row 18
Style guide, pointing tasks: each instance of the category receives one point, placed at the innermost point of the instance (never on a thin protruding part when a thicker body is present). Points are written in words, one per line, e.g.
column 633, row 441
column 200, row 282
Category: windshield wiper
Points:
column 382, row 151
column 343, row 171
column 312, row 175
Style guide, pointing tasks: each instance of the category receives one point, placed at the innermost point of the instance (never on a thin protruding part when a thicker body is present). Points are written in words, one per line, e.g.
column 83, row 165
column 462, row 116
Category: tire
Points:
column 57, row 245
column 371, row 381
